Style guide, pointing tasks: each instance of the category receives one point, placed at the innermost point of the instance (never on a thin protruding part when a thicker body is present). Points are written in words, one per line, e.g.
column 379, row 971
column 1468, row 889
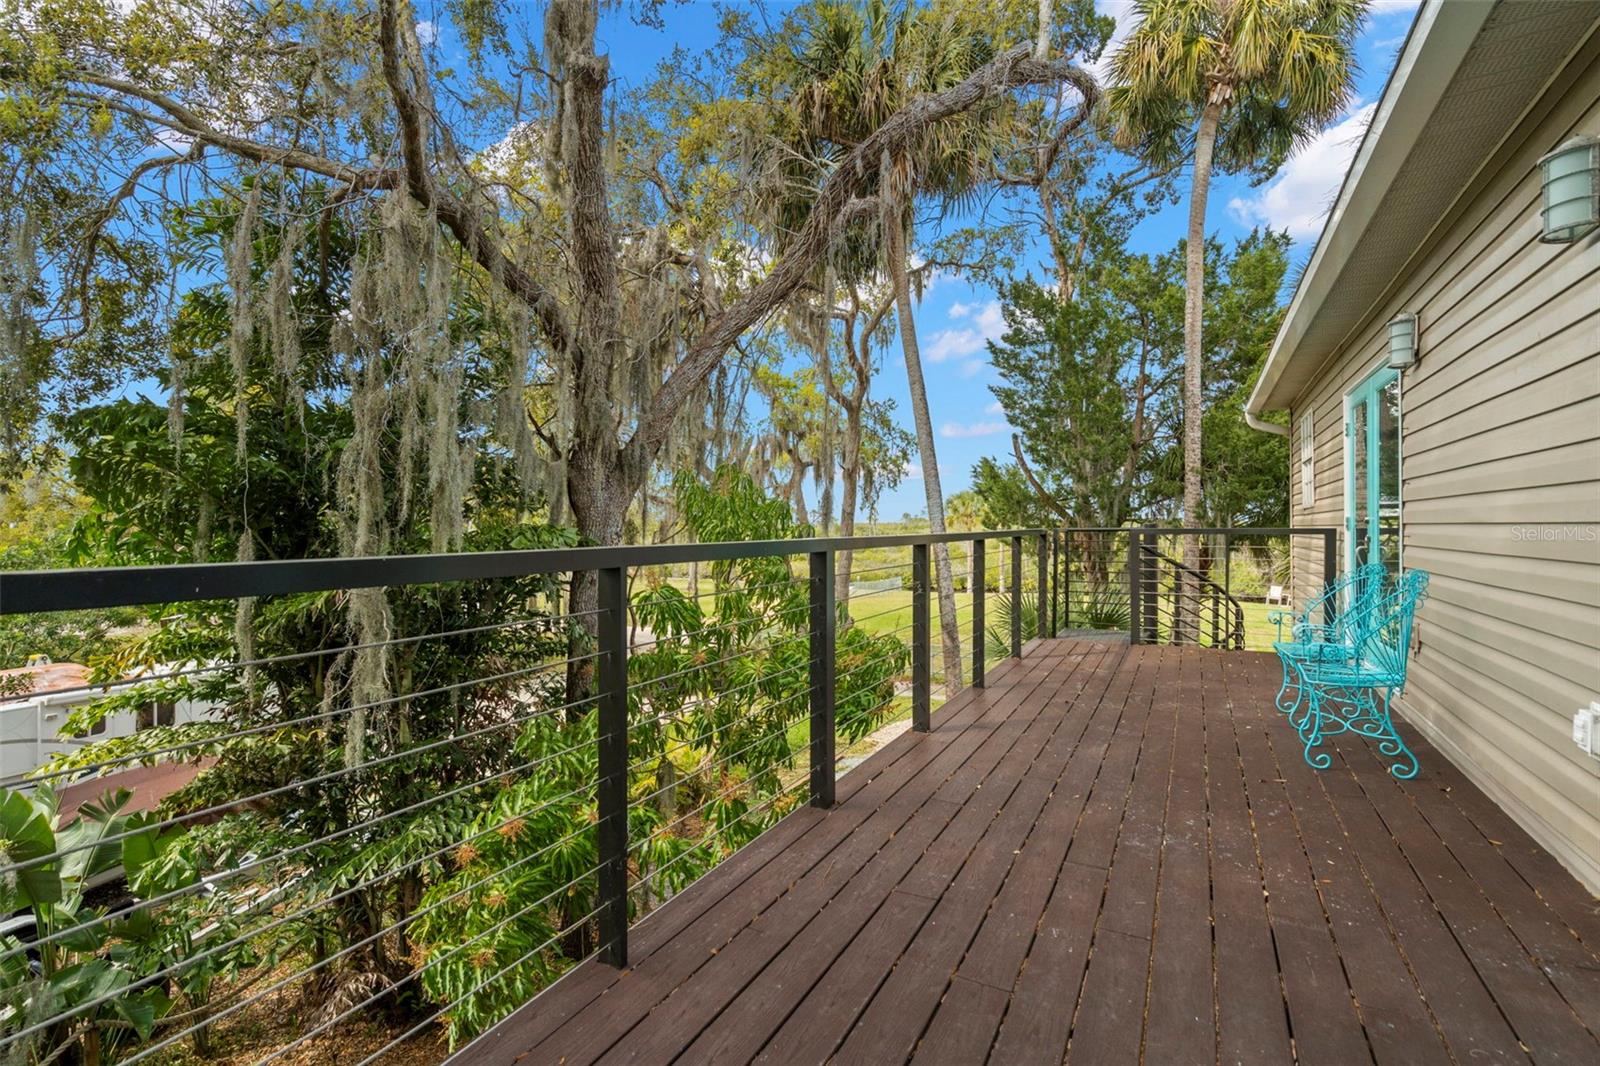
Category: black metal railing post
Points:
column 612, row 791
column 1066, row 582
column 824, row 623
column 1135, row 590
column 977, row 611
column 1055, row 582
column 921, row 641
column 1152, row 617
column 1016, row 597
column 1042, row 600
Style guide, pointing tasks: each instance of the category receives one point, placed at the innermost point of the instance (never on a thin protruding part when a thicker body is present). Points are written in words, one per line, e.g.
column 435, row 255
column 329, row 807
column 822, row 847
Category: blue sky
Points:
column 956, row 319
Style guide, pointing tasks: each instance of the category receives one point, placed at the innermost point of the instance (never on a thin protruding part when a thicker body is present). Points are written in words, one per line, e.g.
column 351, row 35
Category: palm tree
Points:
column 1237, row 84
column 865, row 62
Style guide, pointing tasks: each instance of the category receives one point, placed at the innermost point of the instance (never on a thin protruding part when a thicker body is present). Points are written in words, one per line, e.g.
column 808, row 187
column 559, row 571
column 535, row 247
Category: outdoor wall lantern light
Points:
column 1402, row 340
column 1571, row 180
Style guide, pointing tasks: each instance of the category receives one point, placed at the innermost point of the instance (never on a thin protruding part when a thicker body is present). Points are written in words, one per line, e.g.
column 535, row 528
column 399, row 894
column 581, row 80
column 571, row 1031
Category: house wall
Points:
column 1500, row 424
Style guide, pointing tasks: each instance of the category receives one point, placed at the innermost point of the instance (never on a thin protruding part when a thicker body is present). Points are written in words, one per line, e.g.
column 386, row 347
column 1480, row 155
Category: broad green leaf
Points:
column 26, row 836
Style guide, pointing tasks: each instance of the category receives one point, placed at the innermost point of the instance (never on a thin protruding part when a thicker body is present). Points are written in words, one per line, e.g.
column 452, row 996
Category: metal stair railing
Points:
column 1198, row 610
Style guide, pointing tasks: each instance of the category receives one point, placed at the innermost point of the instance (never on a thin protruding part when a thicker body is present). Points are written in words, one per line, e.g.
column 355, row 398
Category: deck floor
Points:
column 1109, row 855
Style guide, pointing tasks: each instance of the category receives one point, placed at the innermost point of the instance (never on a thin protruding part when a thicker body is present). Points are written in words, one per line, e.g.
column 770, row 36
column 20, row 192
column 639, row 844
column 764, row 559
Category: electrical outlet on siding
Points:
column 1586, row 728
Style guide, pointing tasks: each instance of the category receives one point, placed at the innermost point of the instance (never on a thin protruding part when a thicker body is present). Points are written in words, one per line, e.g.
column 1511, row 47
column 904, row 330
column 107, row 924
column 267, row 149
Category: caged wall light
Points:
column 1570, row 179
column 1402, row 340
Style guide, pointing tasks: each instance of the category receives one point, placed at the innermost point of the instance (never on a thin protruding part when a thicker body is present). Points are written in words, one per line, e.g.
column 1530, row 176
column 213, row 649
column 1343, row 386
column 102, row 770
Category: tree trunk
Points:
column 797, row 493
column 850, row 480
column 599, row 504
column 897, row 240
column 1193, row 357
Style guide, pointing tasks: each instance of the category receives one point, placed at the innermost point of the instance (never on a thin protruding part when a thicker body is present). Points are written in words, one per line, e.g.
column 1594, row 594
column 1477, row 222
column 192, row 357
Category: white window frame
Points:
column 1308, row 461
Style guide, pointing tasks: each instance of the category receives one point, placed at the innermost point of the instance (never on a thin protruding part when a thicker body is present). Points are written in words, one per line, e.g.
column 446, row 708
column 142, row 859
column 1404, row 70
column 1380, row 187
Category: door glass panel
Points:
column 1360, row 535
column 1386, row 463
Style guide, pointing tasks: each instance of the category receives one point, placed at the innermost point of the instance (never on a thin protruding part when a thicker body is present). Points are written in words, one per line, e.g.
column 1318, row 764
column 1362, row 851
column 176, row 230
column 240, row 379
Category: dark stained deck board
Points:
column 842, row 985
column 1536, row 1010
column 1108, row 1023
column 871, row 917
column 1181, row 1010
column 788, row 899
column 1252, row 1022
column 1467, row 1016
column 1398, row 1026
column 892, row 1025
column 1110, row 854
column 1323, row 1020
column 1555, row 947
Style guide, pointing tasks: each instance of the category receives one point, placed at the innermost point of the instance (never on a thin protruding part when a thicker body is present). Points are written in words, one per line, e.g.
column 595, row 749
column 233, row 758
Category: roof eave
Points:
column 1433, row 51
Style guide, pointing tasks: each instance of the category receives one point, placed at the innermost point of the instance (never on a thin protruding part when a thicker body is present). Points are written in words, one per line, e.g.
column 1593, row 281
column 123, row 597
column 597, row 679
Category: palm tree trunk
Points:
column 1193, row 358
column 898, row 240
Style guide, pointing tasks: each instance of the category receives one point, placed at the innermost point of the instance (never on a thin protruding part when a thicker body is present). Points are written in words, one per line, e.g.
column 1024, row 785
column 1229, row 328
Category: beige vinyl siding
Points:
column 1500, row 430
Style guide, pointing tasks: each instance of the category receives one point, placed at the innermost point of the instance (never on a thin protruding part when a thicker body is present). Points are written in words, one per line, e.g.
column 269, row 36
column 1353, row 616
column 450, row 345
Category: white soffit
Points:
column 1469, row 70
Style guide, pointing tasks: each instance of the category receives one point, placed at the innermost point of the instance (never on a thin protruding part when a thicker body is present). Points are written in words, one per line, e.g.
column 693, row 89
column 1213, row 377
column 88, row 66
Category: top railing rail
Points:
column 39, row 591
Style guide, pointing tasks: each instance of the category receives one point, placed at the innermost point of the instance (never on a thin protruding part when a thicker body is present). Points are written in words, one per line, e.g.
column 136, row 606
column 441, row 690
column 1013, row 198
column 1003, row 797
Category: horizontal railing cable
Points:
column 659, row 830
column 332, row 775
column 716, row 834
column 301, row 656
column 216, row 949
column 288, row 723
column 255, row 864
column 734, row 771
column 700, row 667
column 442, row 1011
column 387, row 990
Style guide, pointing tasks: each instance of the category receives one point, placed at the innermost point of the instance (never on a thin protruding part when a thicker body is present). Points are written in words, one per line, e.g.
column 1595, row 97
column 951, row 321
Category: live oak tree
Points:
column 613, row 242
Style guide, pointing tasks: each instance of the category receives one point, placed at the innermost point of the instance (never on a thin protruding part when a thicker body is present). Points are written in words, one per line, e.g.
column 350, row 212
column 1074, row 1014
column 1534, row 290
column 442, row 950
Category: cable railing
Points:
column 385, row 819
column 1212, row 586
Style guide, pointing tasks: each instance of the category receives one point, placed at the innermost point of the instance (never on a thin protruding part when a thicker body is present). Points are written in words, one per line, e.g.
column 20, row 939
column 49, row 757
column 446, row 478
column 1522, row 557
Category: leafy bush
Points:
column 107, row 975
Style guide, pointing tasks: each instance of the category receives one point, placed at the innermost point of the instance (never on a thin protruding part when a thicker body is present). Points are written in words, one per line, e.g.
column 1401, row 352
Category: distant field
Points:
column 888, row 611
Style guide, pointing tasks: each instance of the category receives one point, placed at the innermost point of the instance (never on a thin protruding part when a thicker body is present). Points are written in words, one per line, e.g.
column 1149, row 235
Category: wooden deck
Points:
column 1110, row 855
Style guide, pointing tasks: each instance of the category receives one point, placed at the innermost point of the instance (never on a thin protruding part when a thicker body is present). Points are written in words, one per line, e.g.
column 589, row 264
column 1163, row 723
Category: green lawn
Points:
column 884, row 612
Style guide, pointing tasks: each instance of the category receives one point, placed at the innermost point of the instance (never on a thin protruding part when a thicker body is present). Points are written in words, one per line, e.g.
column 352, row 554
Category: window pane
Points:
column 1360, row 532
column 1387, row 462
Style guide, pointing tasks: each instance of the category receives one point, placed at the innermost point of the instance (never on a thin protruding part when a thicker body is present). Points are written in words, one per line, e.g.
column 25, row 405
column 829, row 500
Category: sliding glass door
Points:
column 1372, row 471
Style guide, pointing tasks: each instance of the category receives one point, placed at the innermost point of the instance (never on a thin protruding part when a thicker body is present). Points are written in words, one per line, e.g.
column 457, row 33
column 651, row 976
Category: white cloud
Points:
column 913, row 471
column 955, row 430
column 1301, row 195
column 1122, row 11
column 967, row 341
column 427, row 33
column 994, row 409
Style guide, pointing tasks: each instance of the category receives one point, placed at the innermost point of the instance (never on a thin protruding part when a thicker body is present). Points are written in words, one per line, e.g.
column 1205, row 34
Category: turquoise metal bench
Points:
column 1346, row 599
column 1354, row 694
